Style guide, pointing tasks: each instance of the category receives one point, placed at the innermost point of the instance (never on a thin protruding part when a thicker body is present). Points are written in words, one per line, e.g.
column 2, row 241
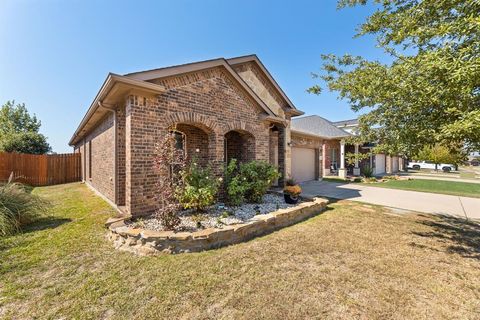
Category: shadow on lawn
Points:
column 45, row 223
column 462, row 236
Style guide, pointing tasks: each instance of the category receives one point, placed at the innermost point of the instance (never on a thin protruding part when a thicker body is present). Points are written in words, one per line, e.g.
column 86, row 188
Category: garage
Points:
column 379, row 164
column 394, row 164
column 303, row 164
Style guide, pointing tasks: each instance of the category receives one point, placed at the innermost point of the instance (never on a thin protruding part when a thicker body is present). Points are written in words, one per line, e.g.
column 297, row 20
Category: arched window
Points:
column 180, row 142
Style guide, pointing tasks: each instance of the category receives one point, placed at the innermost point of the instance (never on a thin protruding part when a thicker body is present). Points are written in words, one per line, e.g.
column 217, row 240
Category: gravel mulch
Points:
column 217, row 216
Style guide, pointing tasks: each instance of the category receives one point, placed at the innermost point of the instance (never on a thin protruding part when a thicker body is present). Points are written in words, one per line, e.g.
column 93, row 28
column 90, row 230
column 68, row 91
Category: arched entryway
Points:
column 240, row 145
column 194, row 140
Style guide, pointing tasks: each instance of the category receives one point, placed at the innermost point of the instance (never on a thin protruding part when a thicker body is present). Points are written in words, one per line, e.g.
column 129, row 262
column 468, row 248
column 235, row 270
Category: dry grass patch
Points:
column 350, row 262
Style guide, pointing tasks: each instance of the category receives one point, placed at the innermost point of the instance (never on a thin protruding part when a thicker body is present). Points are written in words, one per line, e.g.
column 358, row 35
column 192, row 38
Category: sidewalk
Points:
column 402, row 199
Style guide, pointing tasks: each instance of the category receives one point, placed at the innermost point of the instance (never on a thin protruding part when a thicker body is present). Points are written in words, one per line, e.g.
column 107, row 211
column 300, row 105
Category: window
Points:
column 179, row 140
column 333, row 156
column 179, row 145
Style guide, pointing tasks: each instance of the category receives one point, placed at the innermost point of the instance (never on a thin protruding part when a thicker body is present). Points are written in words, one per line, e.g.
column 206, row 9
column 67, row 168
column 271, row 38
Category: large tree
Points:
column 19, row 131
column 430, row 93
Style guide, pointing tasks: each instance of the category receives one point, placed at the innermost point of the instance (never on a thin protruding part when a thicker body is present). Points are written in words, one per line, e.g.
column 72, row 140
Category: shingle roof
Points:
column 345, row 122
column 318, row 126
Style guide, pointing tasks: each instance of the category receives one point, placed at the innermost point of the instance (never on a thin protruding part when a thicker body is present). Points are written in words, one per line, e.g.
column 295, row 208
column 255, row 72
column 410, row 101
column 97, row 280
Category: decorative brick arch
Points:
column 208, row 124
column 240, row 142
column 240, row 126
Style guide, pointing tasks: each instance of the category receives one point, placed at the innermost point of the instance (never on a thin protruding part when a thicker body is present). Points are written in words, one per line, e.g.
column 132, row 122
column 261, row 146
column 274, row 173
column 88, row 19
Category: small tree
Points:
column 169, row 161
column 19, row 131
column 352, row 157
column 437, row 154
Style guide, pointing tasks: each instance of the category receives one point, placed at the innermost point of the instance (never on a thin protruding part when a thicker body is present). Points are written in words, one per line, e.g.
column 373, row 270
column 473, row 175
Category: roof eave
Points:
column 316, row 135
column 295, row 112
column 111, row 80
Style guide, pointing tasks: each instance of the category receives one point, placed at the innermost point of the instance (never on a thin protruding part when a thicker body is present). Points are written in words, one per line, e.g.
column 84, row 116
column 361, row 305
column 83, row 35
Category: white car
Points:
column 417, row 165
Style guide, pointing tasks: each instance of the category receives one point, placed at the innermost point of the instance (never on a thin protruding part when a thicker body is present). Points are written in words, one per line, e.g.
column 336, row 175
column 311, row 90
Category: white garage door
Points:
column 379, row 164
column 395, row 164
column 303, row 164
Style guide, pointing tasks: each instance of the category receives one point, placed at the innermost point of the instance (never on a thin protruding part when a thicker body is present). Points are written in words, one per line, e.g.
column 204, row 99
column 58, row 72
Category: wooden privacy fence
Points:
column 40, row 170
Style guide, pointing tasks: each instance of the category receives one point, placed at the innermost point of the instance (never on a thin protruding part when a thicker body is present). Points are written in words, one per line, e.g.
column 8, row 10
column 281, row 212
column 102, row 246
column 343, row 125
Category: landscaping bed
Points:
column 149, row 237
column 216, row 216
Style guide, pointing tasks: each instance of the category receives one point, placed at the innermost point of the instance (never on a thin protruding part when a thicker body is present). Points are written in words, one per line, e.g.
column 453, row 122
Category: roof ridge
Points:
column 345, row 120
column 189, row 63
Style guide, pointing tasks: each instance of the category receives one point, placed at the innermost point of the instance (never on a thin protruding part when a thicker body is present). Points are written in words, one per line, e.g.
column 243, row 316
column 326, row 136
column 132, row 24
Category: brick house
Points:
column 220, row 109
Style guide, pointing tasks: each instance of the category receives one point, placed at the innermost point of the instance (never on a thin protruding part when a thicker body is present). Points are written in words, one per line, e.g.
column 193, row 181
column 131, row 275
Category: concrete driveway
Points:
column 402, row 199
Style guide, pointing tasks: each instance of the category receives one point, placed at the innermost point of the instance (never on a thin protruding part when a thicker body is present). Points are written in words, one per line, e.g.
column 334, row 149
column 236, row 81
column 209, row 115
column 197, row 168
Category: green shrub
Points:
column 259, row 176
column 199, row 188
column 235, row 186
column 18, row 207
column 367, row 172
column 249, row 181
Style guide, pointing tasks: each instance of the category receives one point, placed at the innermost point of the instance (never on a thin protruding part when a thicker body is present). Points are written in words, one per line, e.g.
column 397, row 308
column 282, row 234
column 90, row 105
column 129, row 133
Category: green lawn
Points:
column 435, row 186
column 353, row 261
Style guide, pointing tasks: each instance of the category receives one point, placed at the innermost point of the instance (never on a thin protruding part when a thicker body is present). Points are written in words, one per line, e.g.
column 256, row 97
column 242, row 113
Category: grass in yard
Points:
column 467, row 175
column 455, row 188
column 353, row 261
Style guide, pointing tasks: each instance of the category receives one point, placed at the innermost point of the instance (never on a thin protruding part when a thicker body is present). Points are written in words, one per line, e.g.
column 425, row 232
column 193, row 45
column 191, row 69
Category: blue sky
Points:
column 55, row 54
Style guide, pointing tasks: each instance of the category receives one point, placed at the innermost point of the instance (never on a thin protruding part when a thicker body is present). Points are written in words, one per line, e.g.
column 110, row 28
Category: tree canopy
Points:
column 439, row 154
column 19, row 131
column 430, row 93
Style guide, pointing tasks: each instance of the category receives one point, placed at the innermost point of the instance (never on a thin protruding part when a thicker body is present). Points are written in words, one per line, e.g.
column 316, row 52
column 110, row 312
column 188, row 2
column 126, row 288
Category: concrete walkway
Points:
column 402, row 199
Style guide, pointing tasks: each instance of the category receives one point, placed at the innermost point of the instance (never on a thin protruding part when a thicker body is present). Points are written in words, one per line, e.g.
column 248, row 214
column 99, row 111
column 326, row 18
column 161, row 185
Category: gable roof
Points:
column 317, row 126
column 140, row 80
column 255, row 59
column 198, row 66
column 148, row 75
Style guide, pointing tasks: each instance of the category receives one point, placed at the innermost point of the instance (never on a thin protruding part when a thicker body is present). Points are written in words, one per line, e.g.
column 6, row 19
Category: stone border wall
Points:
column 148, row 242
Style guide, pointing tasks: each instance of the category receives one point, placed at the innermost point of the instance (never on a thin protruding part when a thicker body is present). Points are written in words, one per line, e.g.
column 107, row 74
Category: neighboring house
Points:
column 219, row 109
column 347, row 125
column 380, row 163
column 318, row 148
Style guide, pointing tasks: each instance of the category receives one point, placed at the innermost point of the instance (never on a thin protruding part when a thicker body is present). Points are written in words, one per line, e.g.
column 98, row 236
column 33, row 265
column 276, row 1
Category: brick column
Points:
column 282, row 155
column 216, row 153
column 143, row 131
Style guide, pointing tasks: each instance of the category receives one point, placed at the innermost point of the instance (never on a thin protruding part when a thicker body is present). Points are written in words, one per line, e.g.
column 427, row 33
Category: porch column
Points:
column 356, row 170
column 342, row 172
column 324, row 154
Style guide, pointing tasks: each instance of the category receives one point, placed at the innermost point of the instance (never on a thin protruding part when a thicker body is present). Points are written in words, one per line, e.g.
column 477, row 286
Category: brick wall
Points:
column 121, row 170
column 98, row 160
